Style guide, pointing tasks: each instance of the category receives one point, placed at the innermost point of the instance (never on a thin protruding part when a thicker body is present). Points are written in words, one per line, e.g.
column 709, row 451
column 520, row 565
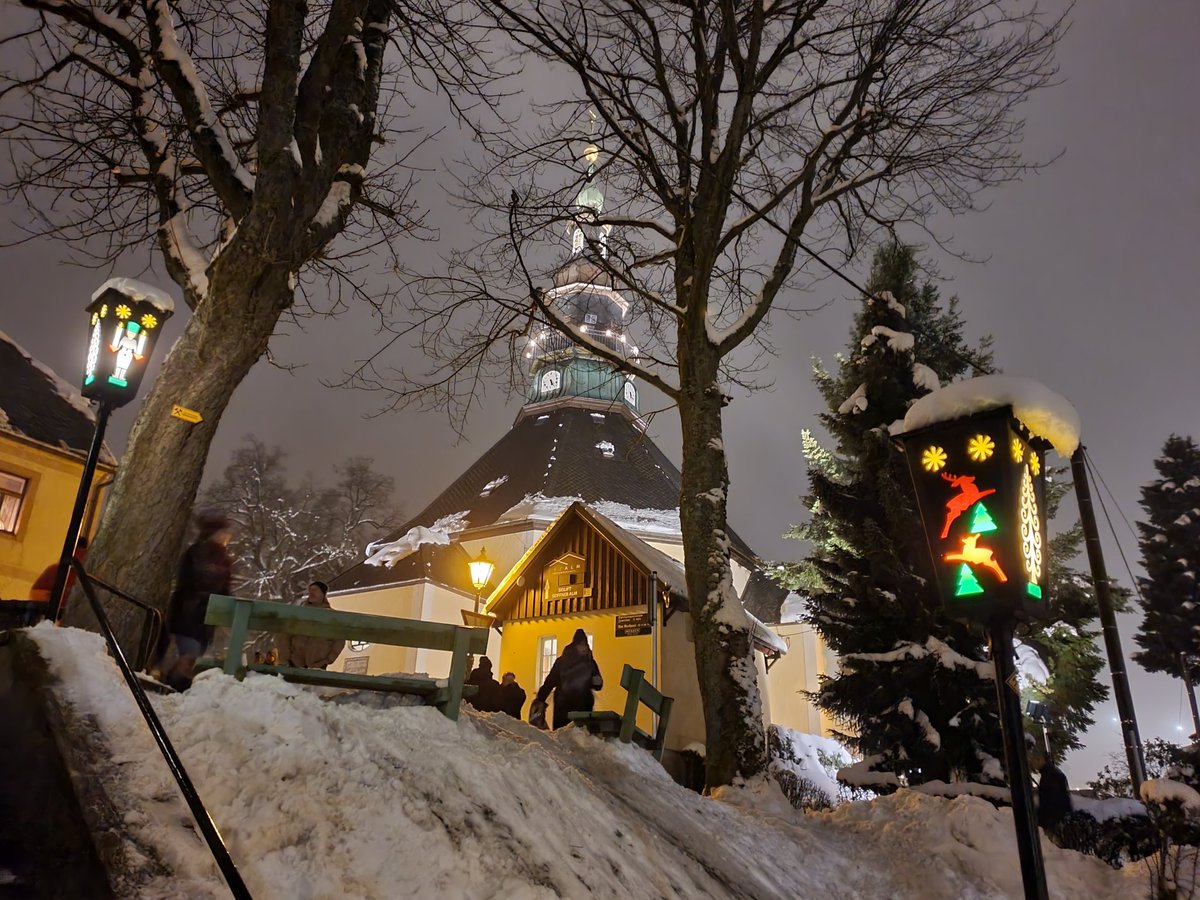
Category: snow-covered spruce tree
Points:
column 915, row 690
column 286, row 535
column 236, row 141
column 1169, row 538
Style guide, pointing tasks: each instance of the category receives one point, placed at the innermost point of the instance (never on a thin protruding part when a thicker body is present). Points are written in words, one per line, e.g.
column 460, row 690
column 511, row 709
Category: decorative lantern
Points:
column 481, row 570
column 126, row 318
column 981, row 487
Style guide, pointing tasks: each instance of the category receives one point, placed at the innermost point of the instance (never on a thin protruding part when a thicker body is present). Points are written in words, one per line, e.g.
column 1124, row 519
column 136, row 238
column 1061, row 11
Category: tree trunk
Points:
column 734, row 736
column 145, row 519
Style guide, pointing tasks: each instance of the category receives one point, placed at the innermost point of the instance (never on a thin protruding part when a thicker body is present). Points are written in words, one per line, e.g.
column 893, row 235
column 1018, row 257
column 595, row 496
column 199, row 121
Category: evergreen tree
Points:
column 914, row 689
column 1170, row 545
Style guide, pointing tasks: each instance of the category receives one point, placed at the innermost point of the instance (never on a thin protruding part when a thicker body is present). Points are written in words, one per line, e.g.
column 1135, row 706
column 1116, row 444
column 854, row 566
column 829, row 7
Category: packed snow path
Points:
column 364, row 796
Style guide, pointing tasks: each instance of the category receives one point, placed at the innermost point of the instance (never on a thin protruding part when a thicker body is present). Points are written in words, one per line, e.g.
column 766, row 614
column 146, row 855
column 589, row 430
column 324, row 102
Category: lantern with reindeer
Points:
column 980, row 485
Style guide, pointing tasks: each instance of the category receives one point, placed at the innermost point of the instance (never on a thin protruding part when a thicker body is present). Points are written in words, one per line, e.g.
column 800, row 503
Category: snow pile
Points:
column 1046, row 414
column 897, row 341
column 1109, row 808
column 793, row 610
column 1164, row 791
column 138, row 291
column 540, row 508
column 319, row 799
column 801, row 754
column 388, row 553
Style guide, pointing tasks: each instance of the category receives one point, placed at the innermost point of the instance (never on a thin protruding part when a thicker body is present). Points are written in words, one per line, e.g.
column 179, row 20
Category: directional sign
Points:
column 634, row 625
column 188, row 415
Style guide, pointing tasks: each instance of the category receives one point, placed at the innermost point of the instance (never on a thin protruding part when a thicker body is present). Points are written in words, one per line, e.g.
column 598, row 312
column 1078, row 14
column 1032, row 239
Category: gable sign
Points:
column 981, row 487
column 566, row 578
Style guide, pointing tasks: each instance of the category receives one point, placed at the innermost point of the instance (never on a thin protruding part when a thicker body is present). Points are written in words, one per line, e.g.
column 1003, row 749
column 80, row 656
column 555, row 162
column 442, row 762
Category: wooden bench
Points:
column 242, row 616
column 624, row 726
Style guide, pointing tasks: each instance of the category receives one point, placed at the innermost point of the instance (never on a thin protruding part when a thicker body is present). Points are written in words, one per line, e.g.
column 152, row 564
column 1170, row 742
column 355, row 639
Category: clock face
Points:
column 630, row 393
column 358, row 646
column 551, row 381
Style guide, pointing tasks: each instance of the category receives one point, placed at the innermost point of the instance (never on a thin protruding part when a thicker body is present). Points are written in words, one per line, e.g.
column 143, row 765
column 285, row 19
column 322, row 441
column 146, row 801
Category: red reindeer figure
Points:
column 961, row 502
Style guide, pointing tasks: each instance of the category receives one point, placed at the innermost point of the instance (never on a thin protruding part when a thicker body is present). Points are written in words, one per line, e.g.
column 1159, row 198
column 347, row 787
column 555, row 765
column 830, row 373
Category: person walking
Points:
column 303, row 652
column 44, row 583
column 573, row 678
column 206, row 568
column 486, row 698
column 511, row 696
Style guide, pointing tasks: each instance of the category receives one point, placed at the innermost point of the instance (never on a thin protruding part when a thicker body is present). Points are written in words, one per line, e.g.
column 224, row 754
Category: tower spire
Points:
column 590, row 199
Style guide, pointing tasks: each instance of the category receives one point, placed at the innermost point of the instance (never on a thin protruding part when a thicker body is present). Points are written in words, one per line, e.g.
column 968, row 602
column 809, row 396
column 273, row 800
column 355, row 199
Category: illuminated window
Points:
column 577, row 241
column 12, row 498
column 547, row 654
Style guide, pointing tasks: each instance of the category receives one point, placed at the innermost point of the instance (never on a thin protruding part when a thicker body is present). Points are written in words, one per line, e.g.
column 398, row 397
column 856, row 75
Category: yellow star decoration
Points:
column 148, row 322
column 1034, row 465
column 933, row 459
column 981, row 447
column 124, row 312
column 103, row 310
column 1018, row 450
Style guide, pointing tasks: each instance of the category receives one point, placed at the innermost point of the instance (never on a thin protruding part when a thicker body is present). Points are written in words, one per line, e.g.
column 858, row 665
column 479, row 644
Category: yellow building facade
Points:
column 45, row 431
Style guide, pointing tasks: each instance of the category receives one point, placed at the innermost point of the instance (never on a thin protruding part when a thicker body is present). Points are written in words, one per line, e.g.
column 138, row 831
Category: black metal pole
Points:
column 1187, row 680
column 208, row 828
column 81, row 502
column 1108, row 624
column 1029, row 846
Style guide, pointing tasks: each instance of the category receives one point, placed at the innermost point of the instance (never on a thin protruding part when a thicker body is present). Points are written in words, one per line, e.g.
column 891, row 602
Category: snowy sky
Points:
column 1088, row 286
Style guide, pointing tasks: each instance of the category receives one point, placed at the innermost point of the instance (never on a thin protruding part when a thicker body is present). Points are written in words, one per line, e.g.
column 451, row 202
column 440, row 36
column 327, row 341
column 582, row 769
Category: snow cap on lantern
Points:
column 125, row 319
column 978, row 471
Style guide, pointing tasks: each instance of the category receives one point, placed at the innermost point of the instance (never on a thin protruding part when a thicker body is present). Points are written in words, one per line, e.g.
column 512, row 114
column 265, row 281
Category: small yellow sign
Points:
column 188, row 415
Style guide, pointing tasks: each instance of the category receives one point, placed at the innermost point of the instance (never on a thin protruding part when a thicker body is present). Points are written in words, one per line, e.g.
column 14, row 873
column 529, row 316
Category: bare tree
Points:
column 740, row 143
column 239, row 139
column 285, row 535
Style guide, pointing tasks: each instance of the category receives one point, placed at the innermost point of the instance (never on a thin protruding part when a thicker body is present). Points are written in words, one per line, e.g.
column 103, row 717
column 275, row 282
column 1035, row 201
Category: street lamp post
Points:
column 481, row 573
column 125, row 319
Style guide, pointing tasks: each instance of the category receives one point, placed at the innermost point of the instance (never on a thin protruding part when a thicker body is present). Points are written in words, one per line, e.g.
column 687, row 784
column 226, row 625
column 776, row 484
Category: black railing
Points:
column 151, row 626
column 208, row 828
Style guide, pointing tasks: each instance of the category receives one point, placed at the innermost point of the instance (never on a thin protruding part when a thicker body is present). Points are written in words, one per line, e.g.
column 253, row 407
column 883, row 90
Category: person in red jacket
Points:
column 45, row 582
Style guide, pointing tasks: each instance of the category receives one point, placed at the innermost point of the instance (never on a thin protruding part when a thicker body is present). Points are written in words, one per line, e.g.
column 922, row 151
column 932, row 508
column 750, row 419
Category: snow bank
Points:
column 1110, row 808
column 321, row 799
column 1162, row 791
column 540, row 508
column 1046, row 414
column 388, row 553
column 138, row 290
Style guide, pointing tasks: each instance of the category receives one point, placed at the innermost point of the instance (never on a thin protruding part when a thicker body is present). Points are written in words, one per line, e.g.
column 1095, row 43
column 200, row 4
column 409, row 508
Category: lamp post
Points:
column 481, row 573
column 981, row 488
column 125, row 318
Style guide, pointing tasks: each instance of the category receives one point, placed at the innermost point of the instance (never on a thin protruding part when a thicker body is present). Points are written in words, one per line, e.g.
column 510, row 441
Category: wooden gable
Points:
column 573, row 568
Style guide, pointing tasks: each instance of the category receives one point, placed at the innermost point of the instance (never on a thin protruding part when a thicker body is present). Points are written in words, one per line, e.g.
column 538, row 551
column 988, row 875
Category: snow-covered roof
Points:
column 138, row 290
column 1046, row 414
column 36, row 403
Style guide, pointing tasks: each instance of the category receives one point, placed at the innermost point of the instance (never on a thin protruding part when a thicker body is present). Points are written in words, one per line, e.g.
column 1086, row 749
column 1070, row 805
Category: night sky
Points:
column 1087, row 284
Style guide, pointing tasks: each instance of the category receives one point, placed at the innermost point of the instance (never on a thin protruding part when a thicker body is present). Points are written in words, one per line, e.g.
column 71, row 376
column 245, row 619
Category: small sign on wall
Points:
column 356, row 665
column 633, row 625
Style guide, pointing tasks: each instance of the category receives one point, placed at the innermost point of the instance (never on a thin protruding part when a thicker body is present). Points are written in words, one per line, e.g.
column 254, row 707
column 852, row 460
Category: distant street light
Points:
column 125, row 319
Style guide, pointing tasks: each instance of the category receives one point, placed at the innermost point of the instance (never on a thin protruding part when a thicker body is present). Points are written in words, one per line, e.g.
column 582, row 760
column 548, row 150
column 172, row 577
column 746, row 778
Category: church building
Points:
column 578, row 510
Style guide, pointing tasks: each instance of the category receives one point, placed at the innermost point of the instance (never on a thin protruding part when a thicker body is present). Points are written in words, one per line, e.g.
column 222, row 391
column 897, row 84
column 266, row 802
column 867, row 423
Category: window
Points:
column 577, row 241
column 12, row 498
column 551, row 380
column 547, row 654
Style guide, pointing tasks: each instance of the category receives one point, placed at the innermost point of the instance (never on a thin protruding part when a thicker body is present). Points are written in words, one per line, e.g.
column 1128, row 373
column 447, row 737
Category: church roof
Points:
column 548, row 460
column 35, row 403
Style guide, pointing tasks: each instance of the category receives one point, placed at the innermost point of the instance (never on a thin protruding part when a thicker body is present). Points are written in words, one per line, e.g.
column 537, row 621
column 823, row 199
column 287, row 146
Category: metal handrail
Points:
column 208, row 828
column 154, row 615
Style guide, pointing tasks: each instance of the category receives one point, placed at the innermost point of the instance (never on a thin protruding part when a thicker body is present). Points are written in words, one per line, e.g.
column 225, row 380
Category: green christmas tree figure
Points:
column 981, row 519
column 968, row 584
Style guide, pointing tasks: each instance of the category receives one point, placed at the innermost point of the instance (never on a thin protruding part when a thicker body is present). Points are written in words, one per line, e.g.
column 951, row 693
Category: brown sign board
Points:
column 634, row 625
column 356, row 664
column 566, row 578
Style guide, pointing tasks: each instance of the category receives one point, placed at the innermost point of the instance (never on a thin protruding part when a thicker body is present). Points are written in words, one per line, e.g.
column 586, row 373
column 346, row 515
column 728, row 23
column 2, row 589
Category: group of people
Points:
column 207, row 568
column 573, row 680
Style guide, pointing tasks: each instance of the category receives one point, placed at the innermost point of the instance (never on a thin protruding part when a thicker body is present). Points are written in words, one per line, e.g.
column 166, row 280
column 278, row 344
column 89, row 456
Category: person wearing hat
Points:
column 487, row 689
column 573, row 678
column 206, row 568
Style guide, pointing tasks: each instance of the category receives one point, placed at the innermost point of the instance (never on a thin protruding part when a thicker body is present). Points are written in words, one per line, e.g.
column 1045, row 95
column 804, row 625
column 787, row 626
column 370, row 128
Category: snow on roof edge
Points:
column 1044, row 412
column 138, row 290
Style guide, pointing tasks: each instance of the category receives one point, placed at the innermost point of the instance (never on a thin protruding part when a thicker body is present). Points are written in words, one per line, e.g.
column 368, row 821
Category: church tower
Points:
column 561, row 370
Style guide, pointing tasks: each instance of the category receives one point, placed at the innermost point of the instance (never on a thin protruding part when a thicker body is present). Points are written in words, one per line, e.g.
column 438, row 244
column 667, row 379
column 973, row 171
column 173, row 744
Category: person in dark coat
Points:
column 487, row 698
column 206, row 568
column 303, row 651
column 1054, row 796
column 511, row 696
column 573, row 678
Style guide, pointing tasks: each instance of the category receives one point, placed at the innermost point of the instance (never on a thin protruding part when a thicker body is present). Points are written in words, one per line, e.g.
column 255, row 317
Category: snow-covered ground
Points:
column 363, row 797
